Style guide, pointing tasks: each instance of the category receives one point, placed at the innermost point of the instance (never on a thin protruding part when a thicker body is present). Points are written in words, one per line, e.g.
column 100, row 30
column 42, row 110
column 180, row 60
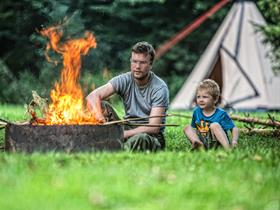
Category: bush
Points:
column 174, row 82
column 19, row 90
column 6, row 79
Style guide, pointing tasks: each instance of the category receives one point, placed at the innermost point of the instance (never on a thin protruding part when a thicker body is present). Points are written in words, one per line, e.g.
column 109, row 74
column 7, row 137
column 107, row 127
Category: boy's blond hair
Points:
column 211, row 87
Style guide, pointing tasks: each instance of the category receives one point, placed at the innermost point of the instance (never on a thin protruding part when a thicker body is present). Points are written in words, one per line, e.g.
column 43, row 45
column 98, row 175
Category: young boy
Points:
column 210, row 124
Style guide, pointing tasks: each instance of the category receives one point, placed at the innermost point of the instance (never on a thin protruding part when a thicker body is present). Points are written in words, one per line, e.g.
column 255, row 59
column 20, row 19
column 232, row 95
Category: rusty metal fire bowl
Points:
column 63, row 138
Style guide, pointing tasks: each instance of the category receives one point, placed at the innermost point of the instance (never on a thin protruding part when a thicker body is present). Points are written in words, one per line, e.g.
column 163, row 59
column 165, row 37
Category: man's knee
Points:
column 142, row 142
column 108, row 111
column 141, row 136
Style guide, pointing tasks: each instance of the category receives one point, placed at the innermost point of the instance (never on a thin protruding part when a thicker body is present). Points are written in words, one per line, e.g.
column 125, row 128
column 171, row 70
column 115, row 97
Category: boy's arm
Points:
column 234, row 136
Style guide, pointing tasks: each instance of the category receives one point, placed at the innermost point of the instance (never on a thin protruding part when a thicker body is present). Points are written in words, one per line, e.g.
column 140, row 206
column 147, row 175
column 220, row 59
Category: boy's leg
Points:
column 220, row 135
column 191, row 134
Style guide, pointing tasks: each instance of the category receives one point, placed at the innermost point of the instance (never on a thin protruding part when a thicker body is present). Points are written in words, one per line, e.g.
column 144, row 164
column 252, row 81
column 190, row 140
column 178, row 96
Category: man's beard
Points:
column 142, row 77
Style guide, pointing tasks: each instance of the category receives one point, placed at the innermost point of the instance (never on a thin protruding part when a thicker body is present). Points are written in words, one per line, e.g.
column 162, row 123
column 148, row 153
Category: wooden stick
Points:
column 2, row 127
column 5, row 121
column 144, row 118
column 151, row 125
column 22, row 123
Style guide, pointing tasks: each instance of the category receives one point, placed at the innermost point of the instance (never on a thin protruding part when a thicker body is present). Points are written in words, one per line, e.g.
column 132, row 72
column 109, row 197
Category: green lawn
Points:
column 246, row 178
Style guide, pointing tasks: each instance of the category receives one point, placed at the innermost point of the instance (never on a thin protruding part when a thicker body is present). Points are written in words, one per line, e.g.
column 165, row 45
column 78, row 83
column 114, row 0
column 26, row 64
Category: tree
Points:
column 117, row 25
column 271, row 12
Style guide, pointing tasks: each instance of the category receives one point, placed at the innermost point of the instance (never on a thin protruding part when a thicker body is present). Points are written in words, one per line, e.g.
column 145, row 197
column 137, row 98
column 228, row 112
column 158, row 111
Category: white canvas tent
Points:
column 236, row 59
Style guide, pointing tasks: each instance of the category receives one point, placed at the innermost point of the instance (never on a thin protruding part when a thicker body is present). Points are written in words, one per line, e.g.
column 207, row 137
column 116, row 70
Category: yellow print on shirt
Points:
column 203, row 128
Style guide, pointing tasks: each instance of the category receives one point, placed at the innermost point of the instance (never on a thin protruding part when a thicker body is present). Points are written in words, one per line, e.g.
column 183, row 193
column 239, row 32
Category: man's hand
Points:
column 96, row 110
column 99, row 117
column 94, row 100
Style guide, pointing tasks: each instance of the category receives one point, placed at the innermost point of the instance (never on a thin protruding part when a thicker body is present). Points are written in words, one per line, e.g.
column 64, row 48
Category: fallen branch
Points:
column 271, row 122
column 263, row 132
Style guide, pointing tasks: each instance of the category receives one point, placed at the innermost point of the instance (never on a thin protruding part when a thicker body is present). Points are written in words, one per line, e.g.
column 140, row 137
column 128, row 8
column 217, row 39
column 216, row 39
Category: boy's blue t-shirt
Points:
column 202, row 122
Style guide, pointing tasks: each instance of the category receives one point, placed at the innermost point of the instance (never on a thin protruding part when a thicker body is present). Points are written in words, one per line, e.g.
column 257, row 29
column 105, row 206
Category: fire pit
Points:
column 66, row 124
column 65, row 138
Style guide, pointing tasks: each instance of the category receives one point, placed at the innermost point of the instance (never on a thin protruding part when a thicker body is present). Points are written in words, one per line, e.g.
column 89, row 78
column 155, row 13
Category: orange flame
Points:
column 67, row 105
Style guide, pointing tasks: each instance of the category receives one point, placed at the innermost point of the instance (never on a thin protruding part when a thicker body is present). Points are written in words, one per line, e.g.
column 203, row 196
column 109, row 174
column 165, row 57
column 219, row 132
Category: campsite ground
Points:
column 246, row 178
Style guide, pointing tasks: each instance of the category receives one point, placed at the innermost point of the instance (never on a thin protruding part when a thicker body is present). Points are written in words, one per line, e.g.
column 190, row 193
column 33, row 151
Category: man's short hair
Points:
column 145, row 48
column 211, row 87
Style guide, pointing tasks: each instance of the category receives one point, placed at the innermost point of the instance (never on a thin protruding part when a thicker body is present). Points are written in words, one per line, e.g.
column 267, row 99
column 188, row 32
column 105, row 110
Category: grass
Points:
column 246, row 178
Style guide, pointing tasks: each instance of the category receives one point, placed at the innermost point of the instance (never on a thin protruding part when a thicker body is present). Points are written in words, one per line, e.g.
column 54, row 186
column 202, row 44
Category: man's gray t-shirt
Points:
column 139, row 100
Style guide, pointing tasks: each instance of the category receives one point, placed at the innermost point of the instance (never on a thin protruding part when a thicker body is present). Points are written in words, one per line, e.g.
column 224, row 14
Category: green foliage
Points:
column 19, row 90
column 214, row 180
column 5, row 80
column 271, row 11
column 174, row 82
column 91, row 80
column 173, row 179
column 117, row 25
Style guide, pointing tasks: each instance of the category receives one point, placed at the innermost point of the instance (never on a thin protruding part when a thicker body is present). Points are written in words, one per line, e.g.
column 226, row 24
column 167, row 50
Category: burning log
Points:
column 62, row 138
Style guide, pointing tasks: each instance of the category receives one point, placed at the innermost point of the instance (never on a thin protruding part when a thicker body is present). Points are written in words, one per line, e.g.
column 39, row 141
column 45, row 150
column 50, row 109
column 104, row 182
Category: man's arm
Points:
column 95, row 97
column 156, row 111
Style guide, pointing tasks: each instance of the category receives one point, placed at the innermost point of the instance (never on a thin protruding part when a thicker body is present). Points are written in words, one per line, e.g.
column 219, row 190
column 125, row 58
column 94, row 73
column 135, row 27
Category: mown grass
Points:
column 245, row 178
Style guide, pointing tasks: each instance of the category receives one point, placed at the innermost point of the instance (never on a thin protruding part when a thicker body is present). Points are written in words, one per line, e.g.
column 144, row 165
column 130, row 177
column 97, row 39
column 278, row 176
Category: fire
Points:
column 67, row 99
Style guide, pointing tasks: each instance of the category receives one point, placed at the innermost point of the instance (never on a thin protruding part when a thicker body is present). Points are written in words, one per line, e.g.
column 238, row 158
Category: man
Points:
column 143, row 94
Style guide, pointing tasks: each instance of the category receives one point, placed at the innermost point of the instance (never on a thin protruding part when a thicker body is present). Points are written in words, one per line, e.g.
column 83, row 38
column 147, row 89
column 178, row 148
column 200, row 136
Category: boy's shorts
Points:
column 208, row 140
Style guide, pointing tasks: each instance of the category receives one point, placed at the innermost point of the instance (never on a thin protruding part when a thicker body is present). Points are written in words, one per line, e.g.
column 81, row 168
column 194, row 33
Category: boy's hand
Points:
column 234, row 143
column 196, row 145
